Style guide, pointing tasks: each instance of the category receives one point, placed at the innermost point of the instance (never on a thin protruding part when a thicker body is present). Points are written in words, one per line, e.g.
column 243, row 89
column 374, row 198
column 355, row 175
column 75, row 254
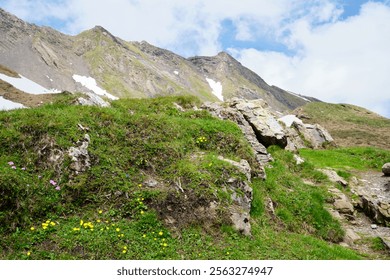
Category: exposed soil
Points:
column 29, row 100
column 6, row 71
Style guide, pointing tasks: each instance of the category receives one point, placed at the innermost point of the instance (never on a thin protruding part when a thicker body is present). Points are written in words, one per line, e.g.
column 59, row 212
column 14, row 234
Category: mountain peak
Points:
column 99, row 28
column 225, row 56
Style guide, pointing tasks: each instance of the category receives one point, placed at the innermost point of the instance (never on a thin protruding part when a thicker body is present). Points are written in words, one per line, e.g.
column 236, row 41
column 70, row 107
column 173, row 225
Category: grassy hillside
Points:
column 110, row 212
column 349, row 125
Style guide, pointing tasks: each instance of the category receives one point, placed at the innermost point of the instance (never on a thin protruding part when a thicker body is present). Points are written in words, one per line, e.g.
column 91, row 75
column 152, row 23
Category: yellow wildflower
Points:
column 52, row 223
column 118, row 229
column 125, row 247
column 76, row 229
column 142, row 212
column 28, row 253
column 98, row 221
column 48, row 222
column 32, row 228
column 160, row 233
column 165, row 244
column 124, row 251
column 144, row 235
column 81, row 222
column 100, row 211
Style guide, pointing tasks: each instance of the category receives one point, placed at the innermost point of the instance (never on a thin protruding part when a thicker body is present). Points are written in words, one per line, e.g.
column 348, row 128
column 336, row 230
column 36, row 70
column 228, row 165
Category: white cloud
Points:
column 344, row 61
column 189, row 27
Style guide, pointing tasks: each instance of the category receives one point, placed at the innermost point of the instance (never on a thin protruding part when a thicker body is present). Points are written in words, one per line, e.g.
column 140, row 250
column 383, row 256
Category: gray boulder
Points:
column 341, row 202
column 80, row 156
column 351, row 237
column 334, row 177
column 228, row 113
column 386, row 169
column 266, row 127
column 315, row 134
column 243, row 166
column 93, row 100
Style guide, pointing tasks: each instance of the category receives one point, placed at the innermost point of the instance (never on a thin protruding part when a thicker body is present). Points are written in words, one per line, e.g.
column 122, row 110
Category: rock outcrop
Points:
column 374, row 197
column 232, row 114
column 334, row 177
column 80, row 156
column 341, row 202
column 93, row 100
column 386, row 169
column 262, row 129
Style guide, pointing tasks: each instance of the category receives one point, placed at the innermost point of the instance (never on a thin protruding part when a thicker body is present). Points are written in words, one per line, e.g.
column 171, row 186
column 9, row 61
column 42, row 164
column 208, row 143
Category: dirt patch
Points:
column 6, row 71
column 29, row 100
column 187, row 208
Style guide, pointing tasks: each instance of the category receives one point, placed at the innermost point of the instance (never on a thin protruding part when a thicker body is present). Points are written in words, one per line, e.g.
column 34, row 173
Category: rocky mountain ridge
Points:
column 127, row 69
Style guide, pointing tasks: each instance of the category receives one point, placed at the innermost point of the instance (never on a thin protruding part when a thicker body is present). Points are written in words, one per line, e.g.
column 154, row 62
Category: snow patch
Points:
column 27, row 85
column 216, row 87
column 9, row 105
column 288, row 120
column 176, row 73
column 297, row 95
column 90, row 83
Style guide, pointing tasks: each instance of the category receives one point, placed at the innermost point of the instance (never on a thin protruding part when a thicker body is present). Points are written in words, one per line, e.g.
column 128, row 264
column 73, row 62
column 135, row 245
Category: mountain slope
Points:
column 348, row 124
column 239, row 81
column 150, row 184
column 126, row 69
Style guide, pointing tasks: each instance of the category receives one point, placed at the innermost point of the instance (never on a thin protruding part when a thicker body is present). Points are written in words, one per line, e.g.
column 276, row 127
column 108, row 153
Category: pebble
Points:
column 373, row 226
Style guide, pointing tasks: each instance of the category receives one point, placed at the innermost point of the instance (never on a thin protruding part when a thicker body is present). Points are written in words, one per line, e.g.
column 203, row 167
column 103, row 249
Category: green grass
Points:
column 349, row 125
column 358, row 158
column 121, row 217
column 299, row 207
column 346, row 113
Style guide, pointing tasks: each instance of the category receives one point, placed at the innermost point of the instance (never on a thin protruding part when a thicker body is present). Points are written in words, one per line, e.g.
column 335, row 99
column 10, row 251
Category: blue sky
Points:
column 335, row 50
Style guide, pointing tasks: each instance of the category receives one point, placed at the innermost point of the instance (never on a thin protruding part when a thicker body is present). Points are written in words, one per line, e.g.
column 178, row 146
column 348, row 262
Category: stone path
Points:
column 372, row 191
